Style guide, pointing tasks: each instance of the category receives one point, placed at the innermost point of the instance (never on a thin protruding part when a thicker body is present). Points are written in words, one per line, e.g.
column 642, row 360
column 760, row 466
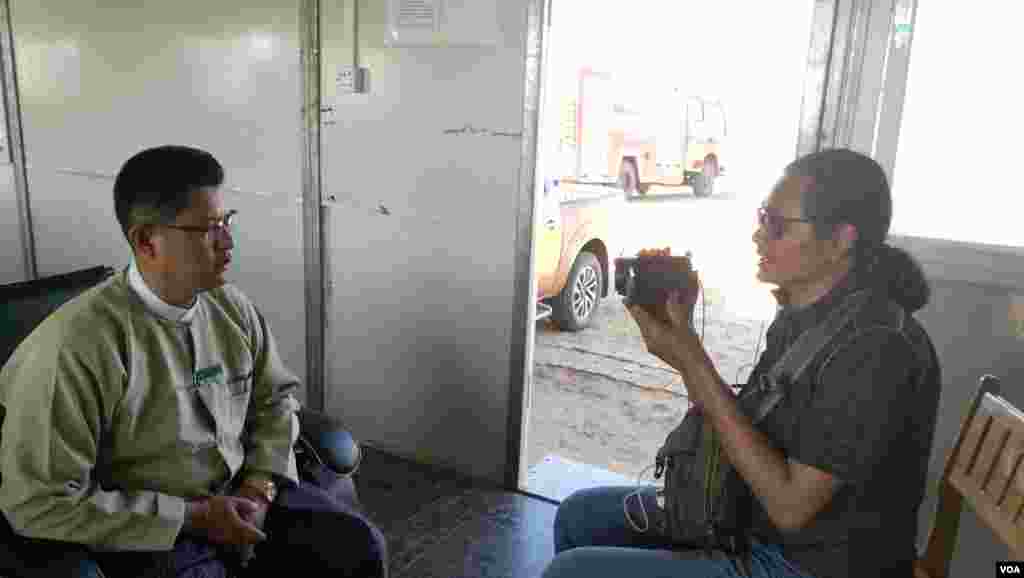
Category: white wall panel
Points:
column 111, row 78
column 74, row 222
column 423, row 302
column 102, row 80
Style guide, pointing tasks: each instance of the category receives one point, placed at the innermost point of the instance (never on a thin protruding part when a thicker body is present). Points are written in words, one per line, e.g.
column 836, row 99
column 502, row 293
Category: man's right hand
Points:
column 222, row 519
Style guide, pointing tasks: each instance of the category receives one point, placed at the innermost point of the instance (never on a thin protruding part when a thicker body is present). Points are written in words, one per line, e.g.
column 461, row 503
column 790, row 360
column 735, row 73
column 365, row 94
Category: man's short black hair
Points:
column 155, row 185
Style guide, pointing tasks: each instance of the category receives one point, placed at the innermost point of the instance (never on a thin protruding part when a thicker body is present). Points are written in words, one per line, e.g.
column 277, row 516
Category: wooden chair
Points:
column 984, row 471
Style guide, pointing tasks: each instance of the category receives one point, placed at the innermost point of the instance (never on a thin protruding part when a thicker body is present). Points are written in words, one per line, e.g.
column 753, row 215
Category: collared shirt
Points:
column 116, row 414
column 865, row 413
column 154, row 302
column 793, row 320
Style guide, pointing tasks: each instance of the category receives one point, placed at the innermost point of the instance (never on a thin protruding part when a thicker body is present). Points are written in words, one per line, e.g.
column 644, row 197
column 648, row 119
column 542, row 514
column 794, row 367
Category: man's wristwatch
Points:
column 265, row 486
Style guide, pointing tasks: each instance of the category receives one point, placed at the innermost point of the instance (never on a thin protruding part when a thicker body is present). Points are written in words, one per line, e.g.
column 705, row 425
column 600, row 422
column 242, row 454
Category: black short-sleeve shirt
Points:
column 864, row 411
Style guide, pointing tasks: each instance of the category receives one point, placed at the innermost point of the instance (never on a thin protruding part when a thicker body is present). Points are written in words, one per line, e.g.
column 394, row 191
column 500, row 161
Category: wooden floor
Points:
column 442, row 525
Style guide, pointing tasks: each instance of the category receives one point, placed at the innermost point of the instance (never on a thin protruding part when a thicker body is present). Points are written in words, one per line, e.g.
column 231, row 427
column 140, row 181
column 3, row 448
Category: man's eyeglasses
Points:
column 775, row 224
column 222, row 226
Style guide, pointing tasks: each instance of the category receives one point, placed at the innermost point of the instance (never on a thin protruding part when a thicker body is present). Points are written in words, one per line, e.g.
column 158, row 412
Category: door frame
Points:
column 314, row 226
column 837, row 48
column 525, row 290
column 15, row 141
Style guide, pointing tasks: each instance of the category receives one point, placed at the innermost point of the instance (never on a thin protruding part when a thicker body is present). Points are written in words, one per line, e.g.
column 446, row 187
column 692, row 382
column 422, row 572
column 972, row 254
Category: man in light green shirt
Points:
column 152, row 414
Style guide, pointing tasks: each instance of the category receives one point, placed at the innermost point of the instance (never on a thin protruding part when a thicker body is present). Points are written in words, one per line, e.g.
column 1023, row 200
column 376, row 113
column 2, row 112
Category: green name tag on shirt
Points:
column 208, row 375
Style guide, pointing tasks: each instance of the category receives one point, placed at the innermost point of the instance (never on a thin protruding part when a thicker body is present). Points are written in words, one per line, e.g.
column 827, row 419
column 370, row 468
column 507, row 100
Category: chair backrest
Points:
column 983, row 472
column 23, row 306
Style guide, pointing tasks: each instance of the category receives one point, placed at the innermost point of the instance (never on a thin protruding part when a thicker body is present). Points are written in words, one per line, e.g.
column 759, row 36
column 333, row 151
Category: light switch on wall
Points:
column 351, row 79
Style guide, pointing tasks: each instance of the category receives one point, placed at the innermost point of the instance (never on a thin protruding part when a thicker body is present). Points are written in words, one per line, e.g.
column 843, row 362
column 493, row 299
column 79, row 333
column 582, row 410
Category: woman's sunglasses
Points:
column 775, row 224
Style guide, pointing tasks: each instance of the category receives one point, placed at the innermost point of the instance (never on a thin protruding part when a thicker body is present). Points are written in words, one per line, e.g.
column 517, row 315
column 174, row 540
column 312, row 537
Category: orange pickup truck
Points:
column 571, row 248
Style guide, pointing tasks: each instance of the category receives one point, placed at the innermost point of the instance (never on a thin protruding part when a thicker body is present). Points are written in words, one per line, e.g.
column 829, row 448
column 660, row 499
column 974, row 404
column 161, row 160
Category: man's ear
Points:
column 142, row 240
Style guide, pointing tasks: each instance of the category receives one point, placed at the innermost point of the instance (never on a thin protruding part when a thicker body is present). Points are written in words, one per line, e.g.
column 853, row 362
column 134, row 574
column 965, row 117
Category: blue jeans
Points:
column 593, row 539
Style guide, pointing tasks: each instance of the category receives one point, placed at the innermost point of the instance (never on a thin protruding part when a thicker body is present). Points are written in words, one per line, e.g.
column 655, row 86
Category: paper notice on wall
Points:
column 415, row 22
column 421, row 14
column 442, row 22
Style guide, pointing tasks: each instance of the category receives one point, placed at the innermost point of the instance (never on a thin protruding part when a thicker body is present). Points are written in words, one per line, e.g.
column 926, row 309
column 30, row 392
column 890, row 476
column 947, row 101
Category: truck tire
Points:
column 629, row 178
column 703, row 185
column 704, row 182
column 573, row 309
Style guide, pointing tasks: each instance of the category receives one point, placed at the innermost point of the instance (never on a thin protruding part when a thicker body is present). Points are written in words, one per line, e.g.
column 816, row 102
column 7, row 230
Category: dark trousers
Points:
column 311, row 531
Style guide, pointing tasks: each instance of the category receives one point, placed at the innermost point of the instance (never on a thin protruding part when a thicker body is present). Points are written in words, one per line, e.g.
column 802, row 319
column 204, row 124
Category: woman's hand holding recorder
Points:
column 660, row 291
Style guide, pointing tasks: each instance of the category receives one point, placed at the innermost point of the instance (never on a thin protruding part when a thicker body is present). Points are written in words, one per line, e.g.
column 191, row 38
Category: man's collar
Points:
column 154, row 302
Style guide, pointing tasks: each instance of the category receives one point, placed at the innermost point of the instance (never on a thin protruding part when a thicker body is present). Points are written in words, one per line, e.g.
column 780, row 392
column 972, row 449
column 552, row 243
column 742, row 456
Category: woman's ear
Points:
column 844, row 238
column 847, row 235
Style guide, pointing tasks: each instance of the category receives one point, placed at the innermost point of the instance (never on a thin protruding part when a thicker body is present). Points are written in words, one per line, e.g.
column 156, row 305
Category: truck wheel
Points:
column 704, row 182
column 703, row 185
column 629, row 177
column 573, row 308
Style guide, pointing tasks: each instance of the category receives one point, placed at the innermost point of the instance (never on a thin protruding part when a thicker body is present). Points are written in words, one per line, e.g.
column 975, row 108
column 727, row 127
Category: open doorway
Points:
column 662, row 125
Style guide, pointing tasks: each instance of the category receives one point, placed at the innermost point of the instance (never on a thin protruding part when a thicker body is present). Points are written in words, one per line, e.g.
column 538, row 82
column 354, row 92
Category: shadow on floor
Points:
column 443, row 525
